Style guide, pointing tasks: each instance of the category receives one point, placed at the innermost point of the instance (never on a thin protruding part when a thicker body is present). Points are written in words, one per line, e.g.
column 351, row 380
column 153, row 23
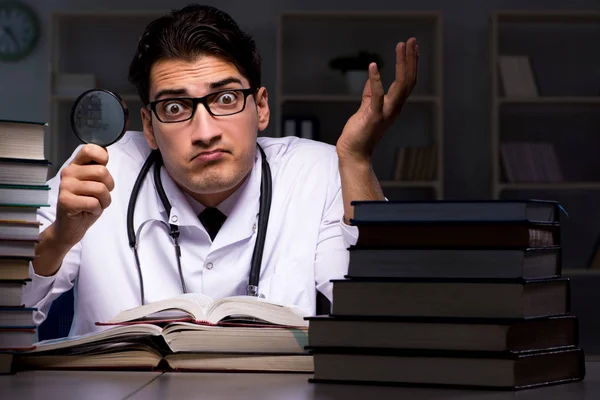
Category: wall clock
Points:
column 19, row 30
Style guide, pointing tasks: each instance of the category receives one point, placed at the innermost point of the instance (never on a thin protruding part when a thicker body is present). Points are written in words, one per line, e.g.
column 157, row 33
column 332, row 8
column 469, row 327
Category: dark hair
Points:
column 187, row 33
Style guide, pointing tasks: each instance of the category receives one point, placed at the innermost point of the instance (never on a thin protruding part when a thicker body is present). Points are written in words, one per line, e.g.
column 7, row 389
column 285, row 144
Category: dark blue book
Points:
column 532, row 210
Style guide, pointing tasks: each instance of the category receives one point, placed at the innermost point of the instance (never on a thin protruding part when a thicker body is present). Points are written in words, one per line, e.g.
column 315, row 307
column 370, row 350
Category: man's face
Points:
column 208, row 156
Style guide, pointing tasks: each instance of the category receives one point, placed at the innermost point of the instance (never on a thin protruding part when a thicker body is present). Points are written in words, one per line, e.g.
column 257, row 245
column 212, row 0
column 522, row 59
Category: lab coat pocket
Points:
column 292, row 285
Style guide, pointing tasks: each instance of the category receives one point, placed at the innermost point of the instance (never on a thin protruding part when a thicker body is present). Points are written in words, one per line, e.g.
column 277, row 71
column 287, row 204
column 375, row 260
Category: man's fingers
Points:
column 94, row 172
column 75, row 204
column 376, row 89
column 412, row 63
column 91, row 153
column 94, row 189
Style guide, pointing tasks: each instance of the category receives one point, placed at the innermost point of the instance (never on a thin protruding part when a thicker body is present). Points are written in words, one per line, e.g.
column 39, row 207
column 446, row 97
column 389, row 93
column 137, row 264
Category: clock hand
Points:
column 10, row 34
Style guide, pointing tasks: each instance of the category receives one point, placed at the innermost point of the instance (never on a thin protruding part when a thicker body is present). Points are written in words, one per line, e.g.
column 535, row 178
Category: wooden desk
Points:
column 73, row 385
column 148, row 386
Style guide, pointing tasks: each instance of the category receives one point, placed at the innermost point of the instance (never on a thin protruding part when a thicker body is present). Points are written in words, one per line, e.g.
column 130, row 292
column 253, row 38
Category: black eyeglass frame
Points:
column 195, row 100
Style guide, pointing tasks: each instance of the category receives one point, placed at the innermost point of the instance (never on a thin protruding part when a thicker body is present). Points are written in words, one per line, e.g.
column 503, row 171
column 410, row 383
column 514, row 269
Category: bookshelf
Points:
column 307, row 87
column 550, row 115
column 99, row 45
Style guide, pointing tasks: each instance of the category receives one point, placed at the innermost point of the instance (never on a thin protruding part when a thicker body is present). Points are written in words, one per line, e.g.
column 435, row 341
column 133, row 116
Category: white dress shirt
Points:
column 306, row 242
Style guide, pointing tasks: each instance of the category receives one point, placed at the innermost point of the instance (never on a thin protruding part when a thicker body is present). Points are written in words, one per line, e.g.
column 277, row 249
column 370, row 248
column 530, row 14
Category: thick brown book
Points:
column 452, row 235
column 460, row 334
column 489, row 298
column 454, row 369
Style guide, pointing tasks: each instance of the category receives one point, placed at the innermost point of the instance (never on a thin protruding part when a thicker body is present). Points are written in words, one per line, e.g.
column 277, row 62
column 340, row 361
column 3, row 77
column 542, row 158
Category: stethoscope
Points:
column 263, row 217
column 100, row 116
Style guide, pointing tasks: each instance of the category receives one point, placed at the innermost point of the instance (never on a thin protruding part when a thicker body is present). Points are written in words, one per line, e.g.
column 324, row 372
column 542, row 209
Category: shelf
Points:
column 547, row 16
column 63, row 97
column 567, row 272
column 350, row 98
column 550, row 186
column 549, row 100
column 362, row 14
column 408, row 184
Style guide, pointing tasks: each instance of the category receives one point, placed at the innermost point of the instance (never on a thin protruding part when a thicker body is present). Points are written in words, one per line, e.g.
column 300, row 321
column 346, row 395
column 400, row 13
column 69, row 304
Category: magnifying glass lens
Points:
column 99, row 117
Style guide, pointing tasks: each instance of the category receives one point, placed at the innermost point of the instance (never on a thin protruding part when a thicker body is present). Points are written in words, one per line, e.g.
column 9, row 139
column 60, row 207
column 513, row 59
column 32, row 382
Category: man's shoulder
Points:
column 294, row 149
column 132, row 149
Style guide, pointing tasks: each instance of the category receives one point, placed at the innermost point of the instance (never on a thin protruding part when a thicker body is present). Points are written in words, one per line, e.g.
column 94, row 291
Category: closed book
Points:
column 507, row 371
column 453, row 235
column 532, row 210
column 515, row 335
column 19, row 171
column 527, row 263
column 17, row 230
column 19, row 213
column 17, row 338
column 17, row 248
column 489, row 298
column 22, row 139
column 17, row 317
column 14, row 268
column 24, row 195
column 12, row 293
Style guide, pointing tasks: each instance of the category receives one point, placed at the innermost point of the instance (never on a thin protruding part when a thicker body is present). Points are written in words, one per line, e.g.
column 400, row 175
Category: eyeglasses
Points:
column 218, row 104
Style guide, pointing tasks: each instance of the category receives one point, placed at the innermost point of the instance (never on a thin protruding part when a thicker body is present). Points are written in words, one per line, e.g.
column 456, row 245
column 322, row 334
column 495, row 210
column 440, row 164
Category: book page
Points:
column 255, row 309
column 186, row 305
column 119, row 332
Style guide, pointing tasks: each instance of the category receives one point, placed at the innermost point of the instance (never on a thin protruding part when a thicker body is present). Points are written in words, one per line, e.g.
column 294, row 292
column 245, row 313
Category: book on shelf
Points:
column 202, row 309
column 530, row 161
column 456, row 234
column 530, row 210
column 465, row 263
column 22, row 139
column 24, row 195
column 517, row 76
column 492, row 370
column 415, row 163
column 15, row 171
column 515, row 335
column 474, row 298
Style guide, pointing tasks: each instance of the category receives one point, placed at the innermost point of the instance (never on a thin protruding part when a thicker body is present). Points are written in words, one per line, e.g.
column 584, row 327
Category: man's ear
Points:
column 262, row 105
column 148, row 130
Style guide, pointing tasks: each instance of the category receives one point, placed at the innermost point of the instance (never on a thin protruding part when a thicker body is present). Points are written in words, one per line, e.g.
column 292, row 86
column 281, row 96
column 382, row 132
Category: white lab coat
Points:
column 306, row 243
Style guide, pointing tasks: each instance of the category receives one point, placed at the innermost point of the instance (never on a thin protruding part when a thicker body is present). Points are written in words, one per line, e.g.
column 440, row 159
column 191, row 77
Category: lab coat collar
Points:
column 241, row 207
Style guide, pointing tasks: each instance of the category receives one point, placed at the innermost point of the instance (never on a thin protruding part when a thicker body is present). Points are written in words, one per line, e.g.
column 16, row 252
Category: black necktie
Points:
column 212, row 219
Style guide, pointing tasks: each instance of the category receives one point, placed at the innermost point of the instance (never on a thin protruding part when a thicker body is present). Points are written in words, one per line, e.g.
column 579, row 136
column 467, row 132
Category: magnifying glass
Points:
column 100, row 117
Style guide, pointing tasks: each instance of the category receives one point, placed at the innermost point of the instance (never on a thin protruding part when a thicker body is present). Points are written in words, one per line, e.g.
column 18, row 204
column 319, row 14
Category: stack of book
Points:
column 23, row 175
column 190, row 332
column 451, row 293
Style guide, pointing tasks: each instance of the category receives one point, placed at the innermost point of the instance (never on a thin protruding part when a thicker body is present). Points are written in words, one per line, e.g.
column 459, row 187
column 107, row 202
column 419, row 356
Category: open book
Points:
column 177, row 346
column 202, row 309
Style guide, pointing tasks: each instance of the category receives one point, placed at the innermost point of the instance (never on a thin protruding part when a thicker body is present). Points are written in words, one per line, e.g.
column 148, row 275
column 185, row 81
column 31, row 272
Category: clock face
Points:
column 19, row 30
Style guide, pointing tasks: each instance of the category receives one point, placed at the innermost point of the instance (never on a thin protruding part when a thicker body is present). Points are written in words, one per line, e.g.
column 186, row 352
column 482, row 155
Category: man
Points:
column 210, row 161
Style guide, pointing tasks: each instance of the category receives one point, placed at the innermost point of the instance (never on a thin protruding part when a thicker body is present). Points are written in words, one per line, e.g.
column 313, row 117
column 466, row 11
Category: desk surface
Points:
column 147, row 385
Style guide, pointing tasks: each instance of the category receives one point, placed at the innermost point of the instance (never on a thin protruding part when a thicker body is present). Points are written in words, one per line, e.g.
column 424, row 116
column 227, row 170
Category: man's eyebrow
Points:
column 174, row 92
column 223, row 82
